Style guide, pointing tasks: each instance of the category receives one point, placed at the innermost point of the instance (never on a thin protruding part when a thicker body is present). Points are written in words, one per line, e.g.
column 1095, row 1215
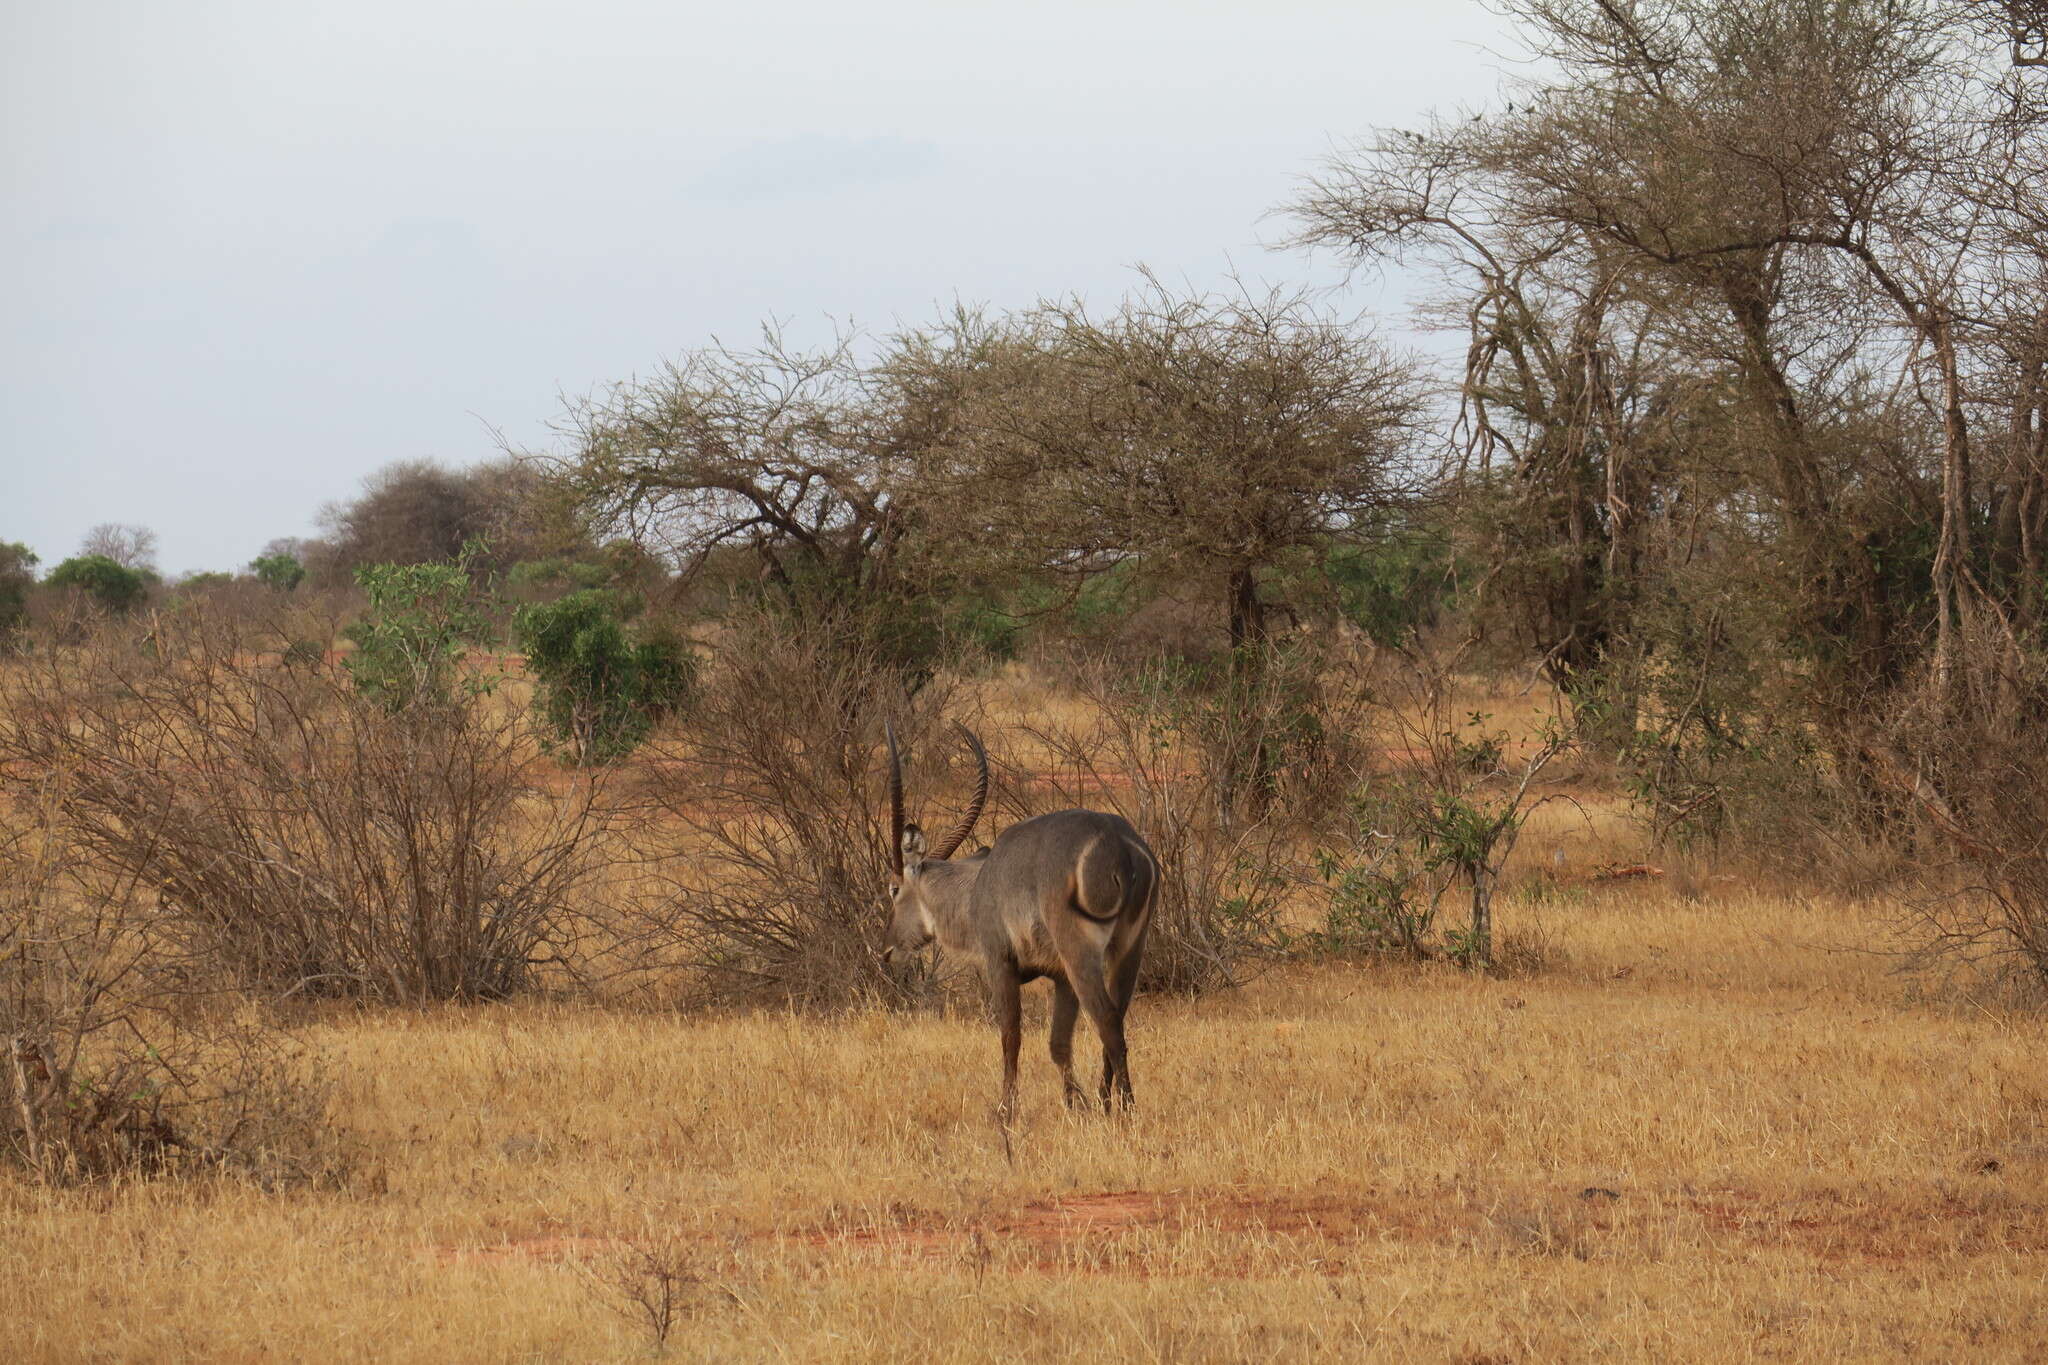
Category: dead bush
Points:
column 770, row 856
column 771, row 877
column 297, row 836
column 1167, row 748
column 662, row 1281
column 115, row 1060
column 1972, row 758
column 1442, row 808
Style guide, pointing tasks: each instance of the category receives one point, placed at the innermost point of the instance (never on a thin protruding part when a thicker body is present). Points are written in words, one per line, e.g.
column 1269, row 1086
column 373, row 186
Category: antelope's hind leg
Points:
column 1006, row 997
column 1122, row 987
column 1066, row 1008
column 1108, row 1017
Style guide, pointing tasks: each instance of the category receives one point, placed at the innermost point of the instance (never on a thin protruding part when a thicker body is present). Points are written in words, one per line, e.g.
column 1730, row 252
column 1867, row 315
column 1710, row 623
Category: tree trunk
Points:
column 1252, row 761
column 1952, row 553
column 1839, row 619
column 1481, row 942
column 1247, row 614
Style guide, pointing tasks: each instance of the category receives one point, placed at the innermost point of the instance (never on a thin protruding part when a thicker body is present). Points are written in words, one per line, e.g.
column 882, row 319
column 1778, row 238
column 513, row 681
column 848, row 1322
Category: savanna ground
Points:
column 1700, row 1121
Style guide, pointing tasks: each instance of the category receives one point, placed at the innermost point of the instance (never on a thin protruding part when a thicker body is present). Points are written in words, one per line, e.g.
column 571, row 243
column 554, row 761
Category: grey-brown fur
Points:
column 1067, row 896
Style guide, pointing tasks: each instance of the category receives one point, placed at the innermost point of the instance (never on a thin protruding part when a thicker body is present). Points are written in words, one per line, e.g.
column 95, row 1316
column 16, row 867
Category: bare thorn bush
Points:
column 658, row 1283
column 771, row 875
column 115, row 1060
column 296, row 836
column 1168, row 749
column 1443, row 809
column 1974, row 763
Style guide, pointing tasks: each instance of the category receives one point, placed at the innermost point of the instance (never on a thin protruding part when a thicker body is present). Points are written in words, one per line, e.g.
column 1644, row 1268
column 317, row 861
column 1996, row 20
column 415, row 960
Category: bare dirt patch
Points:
column 1127, row 1231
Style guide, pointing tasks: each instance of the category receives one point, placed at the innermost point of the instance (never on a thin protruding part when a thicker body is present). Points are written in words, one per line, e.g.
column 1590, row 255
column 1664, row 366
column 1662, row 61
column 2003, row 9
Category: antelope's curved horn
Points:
column 895, row 801
column 958, row 834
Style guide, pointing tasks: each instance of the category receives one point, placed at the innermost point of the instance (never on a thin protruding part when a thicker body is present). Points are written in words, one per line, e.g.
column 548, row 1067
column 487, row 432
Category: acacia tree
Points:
column 768, row 451
column 1201, row 438
column 1572, row 403
column 1205, row 436
column 497, row 512
column 802, row 464
column 1855, row 154
column 1801, row 206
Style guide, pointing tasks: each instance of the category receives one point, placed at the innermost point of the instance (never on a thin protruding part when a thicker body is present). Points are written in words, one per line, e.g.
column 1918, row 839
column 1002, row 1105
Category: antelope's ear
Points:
column 913, row 845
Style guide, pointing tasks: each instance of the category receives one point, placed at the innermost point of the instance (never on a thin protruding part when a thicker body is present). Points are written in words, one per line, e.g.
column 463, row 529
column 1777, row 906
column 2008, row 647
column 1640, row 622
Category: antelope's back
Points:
column 1097, row 858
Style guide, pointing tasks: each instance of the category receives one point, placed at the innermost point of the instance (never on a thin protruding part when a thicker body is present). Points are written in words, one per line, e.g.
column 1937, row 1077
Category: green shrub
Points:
column 422, row 619
column 598, row 689
column 1447, row 811
column 17, row 576
column 1389, row 586
column 112, row 586
column 574, row 574
column 280, row 571
column 1383, row 899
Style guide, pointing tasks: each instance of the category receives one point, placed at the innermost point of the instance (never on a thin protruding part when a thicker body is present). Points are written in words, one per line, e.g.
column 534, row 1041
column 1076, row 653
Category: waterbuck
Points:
column 1067, row 895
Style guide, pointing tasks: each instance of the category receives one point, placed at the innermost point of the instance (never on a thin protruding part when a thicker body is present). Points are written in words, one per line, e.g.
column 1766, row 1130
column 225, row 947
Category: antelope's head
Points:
column 915, row 875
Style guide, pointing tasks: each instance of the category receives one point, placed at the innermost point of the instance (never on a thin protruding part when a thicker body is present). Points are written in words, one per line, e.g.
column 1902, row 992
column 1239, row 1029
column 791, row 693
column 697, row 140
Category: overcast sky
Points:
column 256, row 250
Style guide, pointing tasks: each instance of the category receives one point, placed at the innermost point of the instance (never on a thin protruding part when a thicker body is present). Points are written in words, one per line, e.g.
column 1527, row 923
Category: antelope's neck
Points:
column 950, row 893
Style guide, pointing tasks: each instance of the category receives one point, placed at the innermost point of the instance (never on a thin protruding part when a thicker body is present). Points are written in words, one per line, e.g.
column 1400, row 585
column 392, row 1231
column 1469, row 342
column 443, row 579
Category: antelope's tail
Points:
column 1114, row 876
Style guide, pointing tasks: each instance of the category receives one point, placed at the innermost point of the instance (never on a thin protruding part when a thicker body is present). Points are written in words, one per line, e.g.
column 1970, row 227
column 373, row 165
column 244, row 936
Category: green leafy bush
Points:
column 17, row 576
column 280, row 571
column 598, row 689
column 112, row 586
column 422, row 619
column 1383, row 899
column 1447, row 810
column 557, row 571
column 1388, row 576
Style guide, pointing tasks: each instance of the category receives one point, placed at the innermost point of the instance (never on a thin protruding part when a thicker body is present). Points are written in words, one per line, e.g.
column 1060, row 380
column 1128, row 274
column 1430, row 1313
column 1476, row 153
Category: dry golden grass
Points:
column 1702, row 1126
column 1336, row 1162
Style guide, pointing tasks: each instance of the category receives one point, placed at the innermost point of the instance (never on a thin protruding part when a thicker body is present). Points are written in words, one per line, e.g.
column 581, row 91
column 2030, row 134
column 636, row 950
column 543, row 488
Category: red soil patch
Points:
column 1092, row 1231
column 1835, row 1225
column 1121, row 1231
